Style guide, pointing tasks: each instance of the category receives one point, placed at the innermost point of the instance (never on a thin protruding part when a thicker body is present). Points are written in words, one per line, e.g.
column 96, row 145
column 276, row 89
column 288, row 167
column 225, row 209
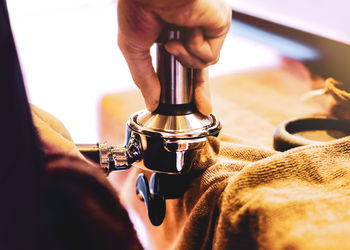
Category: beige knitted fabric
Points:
column 256, row 198
column 246, row 196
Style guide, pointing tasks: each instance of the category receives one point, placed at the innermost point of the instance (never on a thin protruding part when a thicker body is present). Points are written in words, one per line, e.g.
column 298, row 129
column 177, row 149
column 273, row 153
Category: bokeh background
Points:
column 70, row 58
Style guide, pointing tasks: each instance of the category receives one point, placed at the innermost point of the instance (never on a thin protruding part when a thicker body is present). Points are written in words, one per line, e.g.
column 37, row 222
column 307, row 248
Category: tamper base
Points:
column 168, row 143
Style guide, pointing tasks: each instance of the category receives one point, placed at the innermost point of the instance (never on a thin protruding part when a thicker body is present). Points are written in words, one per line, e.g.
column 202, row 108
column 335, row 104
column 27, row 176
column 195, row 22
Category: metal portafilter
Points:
column 163, row 141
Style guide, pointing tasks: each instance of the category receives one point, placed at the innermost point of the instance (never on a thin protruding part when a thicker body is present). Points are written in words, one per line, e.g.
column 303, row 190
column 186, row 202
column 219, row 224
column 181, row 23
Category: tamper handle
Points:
column 176, row 81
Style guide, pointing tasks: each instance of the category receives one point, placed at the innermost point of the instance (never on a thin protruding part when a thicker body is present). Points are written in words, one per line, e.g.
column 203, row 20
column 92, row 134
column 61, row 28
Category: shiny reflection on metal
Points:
column 111, row 158
column 176, row 80
column 169, row 143
column 103, row 153
column 167, row 156
column 174, row 35
column 119, row 157
column 180, row 160
column 181, row 126
column 183, row 145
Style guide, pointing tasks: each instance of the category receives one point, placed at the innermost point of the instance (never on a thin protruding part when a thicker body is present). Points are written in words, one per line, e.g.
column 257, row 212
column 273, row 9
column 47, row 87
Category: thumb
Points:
column 142, row 71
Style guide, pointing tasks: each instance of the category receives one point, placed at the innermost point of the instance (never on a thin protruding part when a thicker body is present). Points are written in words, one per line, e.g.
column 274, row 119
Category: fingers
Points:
column 53, row 141
column 206, row 24
column 207, row 49
column 142, row 71
column 140, row 23
column 196, row 52
column 138, row 30
column 54, row 136
column 201, row 91
column 184, row 56
column 52, row 121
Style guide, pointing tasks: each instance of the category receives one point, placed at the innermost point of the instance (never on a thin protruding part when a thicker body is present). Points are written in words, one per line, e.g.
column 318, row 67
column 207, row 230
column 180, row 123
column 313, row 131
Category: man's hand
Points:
column 53, row 134
column 141, row 21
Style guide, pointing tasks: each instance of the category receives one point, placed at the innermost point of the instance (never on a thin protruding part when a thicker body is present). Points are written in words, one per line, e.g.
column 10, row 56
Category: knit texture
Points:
column 293, row 200
column 246, row 195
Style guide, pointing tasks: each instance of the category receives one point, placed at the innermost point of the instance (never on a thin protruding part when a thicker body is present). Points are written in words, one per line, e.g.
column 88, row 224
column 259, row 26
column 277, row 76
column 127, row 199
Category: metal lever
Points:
column 112, row 158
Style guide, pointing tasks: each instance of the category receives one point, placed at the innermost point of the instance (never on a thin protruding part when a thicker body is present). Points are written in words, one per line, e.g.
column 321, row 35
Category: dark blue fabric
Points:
column 21, row 164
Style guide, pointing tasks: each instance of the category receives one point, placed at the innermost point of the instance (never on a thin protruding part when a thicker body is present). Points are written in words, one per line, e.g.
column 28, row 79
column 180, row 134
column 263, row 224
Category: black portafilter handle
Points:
column 177, row 86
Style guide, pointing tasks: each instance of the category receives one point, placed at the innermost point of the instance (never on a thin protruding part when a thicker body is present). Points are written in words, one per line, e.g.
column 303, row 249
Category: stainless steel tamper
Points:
column 164, row 141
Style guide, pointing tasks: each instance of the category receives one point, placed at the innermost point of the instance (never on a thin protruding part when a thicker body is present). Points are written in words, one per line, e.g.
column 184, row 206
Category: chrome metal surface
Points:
column 166, row 140
column 103, row 152
column 176, row 81
column 169, row 143
column 174, row 126
column 112, row 158
column 119, row 158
